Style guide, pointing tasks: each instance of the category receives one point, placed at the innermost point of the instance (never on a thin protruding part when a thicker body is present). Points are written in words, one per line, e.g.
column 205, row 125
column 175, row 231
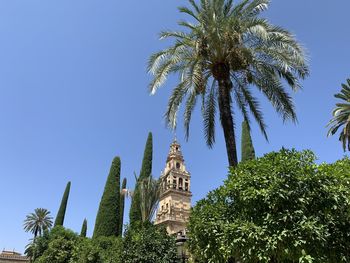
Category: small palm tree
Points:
column 341, row 116
column 149, row 197
column 38, row 222
column 227, row 50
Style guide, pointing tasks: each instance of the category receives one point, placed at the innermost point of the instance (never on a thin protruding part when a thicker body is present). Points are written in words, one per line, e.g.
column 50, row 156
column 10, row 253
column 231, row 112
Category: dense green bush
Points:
column 143, row 243
column 98, row 250
column 146, row 243
column 56, row 246
column 282, row 207
column 64, row 246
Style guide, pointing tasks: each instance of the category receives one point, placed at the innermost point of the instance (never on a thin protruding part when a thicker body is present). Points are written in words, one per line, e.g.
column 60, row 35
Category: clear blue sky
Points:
column 73, row 94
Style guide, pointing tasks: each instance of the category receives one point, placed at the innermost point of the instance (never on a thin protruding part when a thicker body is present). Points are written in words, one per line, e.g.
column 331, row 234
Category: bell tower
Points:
column 175, row 198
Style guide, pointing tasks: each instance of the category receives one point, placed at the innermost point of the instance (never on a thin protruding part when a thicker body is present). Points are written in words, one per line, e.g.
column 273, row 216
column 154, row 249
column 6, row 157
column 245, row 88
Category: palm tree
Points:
column 227, row 50
column 149, row 191
column 38, row 222
column 341, row 116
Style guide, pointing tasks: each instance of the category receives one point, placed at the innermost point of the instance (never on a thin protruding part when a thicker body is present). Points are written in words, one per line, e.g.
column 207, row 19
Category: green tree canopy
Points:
column 108, row 217
column 98, row 250
column 62, row 210
column 219, row 56
column 248, row 152
column 282, row 207
column 146, row 170
column 57, row 246
column 83, row 228
column 147, row 243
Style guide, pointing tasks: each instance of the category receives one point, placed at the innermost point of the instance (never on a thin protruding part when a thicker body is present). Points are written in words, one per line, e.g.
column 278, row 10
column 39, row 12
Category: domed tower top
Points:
column 175, row 151
column 175, row 160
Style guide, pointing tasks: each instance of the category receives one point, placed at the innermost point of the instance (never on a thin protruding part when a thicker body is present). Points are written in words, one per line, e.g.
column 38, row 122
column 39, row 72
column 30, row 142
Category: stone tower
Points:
column 175, row 198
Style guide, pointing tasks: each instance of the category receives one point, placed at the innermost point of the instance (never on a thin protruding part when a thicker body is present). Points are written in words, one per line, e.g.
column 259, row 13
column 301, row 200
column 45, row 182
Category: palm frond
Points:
column 174, row 102
column 149, row 190
column 209, row 116
column 341, row 117
column 190, row 104
column 271, row 86
column 38, row 221
column 224, row 34
column 188, row 11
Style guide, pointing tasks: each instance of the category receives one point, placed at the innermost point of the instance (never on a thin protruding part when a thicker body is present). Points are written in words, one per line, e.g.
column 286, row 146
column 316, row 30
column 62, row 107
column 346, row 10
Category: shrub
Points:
column 147, row 243
column 59, row 246
column 98, row 250
column 279, row 208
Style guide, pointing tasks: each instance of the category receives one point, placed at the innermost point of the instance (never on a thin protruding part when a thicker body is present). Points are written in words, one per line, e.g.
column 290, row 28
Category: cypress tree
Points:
column 247, row 148
column 107, row 219
column 146, row 170
column 62, row 210
column 83, row 228
column 122, row 203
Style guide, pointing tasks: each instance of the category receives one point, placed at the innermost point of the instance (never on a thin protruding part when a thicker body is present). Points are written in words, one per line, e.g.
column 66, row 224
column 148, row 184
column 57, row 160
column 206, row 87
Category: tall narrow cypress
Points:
column 83, row 228
column 146, row 170
column 122, row 204
column 62, row 210
column 107, row 219
column 247, row 148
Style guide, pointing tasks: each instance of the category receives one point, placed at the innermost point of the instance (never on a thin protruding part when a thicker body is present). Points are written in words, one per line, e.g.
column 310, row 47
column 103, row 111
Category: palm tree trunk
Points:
column 226, row 118
column 34, row 244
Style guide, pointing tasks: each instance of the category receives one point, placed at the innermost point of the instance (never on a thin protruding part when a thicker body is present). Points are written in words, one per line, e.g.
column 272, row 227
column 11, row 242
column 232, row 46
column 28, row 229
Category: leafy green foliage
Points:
column 57, row 246
column 64, row 246
column 107, row 219
column 248, row 152
column 98, row 250
column 146, row 243
column 341, row 116
column 146, row 170
column 62, row 210
column 146, row 167
column 122, row 204
column 219, row 56
column 279, row 208
column 37, row 247
column 83, row 228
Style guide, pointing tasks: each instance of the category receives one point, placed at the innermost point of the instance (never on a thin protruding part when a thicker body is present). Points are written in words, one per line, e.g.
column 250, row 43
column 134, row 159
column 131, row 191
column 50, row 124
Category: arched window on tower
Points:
column 186, row 187
column 174, row 184
column 178, row 165
column 180, row 183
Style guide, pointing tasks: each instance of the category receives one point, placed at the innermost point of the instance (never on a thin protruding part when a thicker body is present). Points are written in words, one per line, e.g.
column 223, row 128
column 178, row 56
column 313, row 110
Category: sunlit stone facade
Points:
column 175, row 199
